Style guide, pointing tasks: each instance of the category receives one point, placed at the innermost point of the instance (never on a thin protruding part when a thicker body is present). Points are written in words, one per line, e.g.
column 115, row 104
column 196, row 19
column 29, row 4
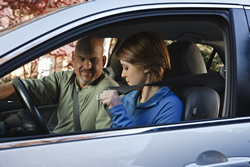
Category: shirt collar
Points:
column 101, row 77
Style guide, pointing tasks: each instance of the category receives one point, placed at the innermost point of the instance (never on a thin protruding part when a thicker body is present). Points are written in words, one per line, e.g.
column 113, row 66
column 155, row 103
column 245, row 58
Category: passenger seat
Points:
column 199, row 102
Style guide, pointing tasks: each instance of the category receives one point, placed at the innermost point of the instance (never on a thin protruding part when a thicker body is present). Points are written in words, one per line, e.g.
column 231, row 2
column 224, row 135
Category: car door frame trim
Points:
column 120, row 132
column 87, row 19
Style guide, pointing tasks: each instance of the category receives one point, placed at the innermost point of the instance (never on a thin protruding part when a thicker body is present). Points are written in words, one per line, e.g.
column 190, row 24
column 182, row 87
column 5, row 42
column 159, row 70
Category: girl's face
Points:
column 134, row 75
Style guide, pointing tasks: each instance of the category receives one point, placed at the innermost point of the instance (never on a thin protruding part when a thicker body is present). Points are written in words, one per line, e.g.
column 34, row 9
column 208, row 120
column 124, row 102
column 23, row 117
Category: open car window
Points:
column 195, row 34
column 57, row 60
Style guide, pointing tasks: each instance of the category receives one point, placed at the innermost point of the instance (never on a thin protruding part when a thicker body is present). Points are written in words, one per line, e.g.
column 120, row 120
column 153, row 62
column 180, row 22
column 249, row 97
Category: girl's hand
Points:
column 110, row 98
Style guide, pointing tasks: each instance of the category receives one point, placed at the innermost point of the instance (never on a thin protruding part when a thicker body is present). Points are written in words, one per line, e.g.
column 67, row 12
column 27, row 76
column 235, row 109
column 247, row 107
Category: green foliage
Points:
column 206, row 52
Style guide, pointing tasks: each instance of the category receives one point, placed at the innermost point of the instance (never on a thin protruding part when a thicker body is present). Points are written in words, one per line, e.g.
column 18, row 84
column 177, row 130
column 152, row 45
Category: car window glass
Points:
column 206, row 52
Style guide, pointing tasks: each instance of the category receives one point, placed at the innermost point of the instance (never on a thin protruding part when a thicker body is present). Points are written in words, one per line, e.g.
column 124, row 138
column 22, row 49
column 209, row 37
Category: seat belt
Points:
column 77, row 125
column 186, row 80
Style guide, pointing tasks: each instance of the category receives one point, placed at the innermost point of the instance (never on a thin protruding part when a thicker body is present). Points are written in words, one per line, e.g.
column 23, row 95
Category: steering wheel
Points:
column 29, row 104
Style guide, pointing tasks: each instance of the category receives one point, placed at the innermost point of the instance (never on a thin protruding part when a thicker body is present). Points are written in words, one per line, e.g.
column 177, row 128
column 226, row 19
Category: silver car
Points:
column 215, row 130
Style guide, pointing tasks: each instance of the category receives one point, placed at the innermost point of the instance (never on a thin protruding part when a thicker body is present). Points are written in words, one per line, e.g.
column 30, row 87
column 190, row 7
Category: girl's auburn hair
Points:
column 148, row 51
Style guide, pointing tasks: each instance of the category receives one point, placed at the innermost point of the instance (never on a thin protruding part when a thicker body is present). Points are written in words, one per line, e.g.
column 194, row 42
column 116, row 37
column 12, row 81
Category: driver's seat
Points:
column 198, row 102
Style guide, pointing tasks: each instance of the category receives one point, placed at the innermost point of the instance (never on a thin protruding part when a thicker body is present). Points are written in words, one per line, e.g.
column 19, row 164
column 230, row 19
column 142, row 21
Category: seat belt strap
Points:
column 77, row 125
column 187, row 80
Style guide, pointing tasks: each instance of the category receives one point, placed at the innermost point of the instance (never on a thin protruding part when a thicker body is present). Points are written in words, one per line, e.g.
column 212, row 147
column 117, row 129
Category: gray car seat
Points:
column 199, row 102
column 116, row 69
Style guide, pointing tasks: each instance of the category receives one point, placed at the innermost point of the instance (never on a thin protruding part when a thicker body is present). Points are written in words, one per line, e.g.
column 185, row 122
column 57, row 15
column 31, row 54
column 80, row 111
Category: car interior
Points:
column 201, row 102
column 185, row 33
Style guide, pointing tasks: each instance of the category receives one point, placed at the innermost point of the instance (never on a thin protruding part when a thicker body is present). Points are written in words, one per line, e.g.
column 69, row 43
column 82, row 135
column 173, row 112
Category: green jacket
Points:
column 57, row 88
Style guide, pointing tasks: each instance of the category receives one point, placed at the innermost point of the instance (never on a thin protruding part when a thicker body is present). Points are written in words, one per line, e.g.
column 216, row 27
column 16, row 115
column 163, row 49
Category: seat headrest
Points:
column 186, row 59
column 117, row 70
column 116, row 65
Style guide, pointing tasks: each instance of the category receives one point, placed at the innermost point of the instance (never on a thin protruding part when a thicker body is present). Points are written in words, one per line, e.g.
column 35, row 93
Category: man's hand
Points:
column 7, row 92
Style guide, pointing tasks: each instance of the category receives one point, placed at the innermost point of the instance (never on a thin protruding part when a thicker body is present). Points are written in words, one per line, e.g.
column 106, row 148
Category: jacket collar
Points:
column 152, row 101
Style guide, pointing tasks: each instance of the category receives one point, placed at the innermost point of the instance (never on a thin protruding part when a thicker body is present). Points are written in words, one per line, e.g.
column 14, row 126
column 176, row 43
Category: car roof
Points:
column 43, row 25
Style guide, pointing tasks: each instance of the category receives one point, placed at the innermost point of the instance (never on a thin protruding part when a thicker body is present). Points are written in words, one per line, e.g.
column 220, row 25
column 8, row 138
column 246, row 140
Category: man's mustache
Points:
column 90, row 71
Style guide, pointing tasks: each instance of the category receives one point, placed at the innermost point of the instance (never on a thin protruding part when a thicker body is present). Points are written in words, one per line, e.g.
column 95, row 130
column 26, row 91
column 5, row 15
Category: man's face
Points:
column 88, row 66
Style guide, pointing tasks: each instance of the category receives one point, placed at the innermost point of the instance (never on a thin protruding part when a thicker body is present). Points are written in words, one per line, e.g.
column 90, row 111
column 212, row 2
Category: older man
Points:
column 87, row 79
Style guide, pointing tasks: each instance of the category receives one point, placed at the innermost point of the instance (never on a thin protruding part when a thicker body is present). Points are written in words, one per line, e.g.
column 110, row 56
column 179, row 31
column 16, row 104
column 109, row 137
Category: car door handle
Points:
column 217, row 159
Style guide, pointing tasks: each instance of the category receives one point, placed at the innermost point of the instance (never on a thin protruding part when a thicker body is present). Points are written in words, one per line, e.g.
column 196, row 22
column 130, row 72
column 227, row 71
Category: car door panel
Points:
column 48, row 112
column 9, row 105
column 157, row 148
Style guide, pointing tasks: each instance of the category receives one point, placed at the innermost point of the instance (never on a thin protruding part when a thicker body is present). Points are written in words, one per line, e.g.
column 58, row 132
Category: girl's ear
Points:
column 146, row 70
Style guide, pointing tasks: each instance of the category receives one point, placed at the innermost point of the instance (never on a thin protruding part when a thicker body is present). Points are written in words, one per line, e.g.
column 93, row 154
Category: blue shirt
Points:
column 163, row 107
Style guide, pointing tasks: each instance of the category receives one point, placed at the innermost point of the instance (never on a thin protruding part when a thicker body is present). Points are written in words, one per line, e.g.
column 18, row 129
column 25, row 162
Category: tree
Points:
column 6, row 14
column 14, row 12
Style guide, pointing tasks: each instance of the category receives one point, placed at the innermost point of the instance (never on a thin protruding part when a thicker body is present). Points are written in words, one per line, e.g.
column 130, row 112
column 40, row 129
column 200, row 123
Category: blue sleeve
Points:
column 120, row 117
column 170, row 112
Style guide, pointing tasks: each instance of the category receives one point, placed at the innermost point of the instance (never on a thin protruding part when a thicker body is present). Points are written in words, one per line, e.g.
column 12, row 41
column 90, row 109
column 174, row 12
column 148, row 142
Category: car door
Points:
column 222, row 141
